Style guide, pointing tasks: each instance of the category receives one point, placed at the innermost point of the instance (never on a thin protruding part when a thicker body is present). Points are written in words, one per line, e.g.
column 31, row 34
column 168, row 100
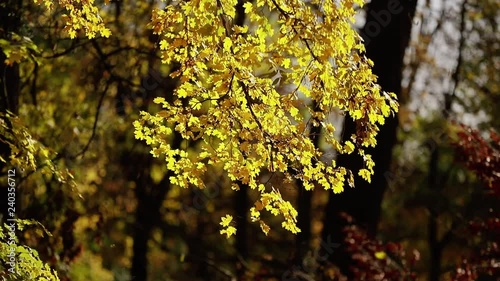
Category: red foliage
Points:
column 375, row 260
column 480, row 156
column 483, row 158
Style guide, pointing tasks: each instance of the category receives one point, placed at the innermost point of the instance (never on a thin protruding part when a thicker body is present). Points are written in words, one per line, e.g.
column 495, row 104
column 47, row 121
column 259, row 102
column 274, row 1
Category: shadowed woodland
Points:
column 250, row 140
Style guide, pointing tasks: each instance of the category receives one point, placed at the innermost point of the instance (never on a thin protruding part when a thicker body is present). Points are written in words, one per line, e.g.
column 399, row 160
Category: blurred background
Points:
column 431, row 211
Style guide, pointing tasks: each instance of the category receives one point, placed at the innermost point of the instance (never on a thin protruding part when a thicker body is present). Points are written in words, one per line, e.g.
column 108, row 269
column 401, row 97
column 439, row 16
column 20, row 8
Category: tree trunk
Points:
column 144, row 223
column 10, row 15
column 241, row 198
column 304, row 223
column 304, row 203
column 386, row 33
column 241, row 207
column 435, row 248
column 150, row 197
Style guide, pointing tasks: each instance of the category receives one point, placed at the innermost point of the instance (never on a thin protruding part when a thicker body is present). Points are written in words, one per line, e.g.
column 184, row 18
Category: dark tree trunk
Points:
column 144, row 223
column 303, row 222
column 150, row 197
column 9, row 74
column 9, row 84
column 241, row 209
column 10, row 13
column 241, row 199
column 386, row 33
column 304, row 208
column 436, row 245
column 147, row 218
column 435, row 248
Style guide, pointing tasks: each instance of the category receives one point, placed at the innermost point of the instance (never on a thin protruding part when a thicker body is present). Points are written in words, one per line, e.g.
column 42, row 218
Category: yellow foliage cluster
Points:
column 251, row 93
column 80, row 15
column 229, row 229
column 274, row 203
column 26, row 260
column 26, row 153
column 18, row 48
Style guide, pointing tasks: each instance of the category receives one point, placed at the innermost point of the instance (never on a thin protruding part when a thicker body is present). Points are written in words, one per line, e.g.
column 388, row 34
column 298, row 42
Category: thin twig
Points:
column 96, row 119
column 456, row 74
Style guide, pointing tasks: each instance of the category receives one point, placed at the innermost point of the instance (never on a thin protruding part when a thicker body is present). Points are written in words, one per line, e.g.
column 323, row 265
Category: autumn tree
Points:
column 31, row 157
column 253, row 93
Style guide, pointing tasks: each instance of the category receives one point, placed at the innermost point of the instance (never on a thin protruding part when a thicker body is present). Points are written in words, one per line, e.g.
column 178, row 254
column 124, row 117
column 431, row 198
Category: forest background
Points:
column 96, row 205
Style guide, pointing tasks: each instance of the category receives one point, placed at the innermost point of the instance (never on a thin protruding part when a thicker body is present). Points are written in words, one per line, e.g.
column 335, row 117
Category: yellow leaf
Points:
column 163, row 44
column 254, row 214
column 105, row 32
column 330, row 128
column 227, row 44
column 228, row 231
column 241, row 29
column 365, row 174
column 265, row 228
column 225, row 221
column 158, row 100
column 348, row 147
column 357, row 114
column 182, row 93
column 248, row 7
column 220, row 31
column 380, row 255
column 286, row 63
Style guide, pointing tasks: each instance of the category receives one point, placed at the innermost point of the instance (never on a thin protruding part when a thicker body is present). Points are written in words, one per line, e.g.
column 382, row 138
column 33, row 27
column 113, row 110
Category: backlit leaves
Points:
column 228, row 229
column 27, row 265
column 26, row 153
column 80, row 15
column 251, row 94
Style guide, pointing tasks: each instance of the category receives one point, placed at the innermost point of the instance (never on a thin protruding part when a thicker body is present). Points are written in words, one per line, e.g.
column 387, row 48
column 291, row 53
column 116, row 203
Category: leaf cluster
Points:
column 251, row 94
